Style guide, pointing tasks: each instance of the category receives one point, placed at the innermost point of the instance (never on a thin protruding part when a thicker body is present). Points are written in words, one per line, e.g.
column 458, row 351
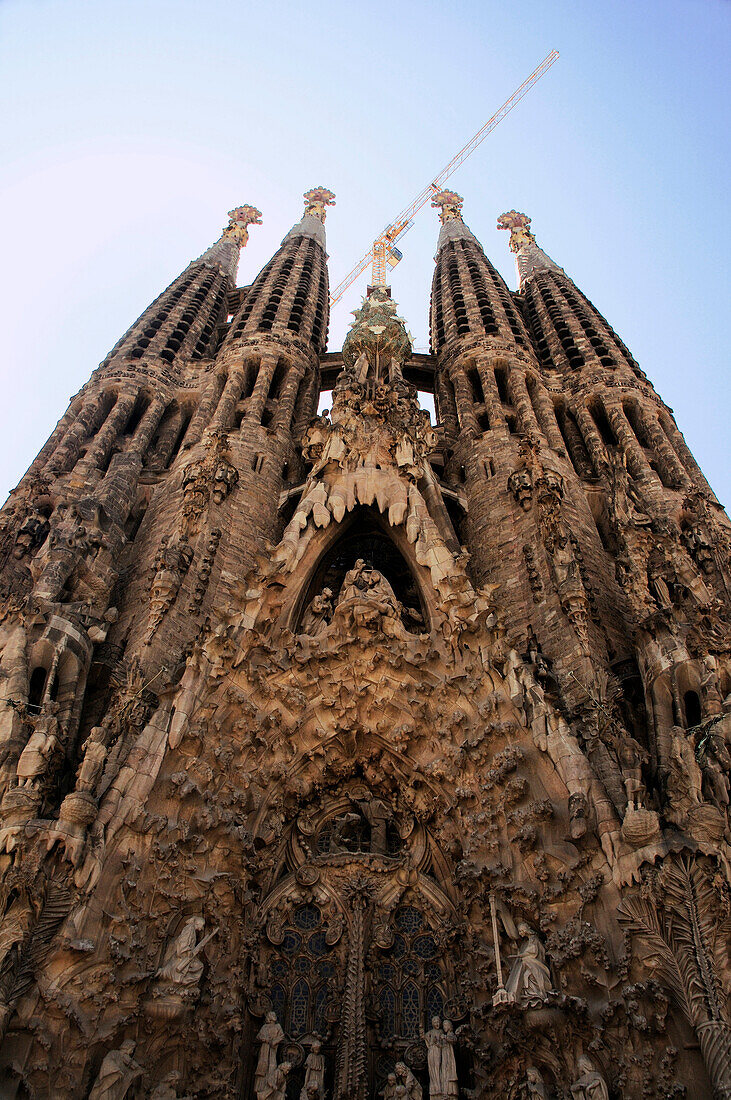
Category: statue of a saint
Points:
column 590, row 1085
column 450, row 1088
column 435, row 1040
column 275, row 1086
column 405, row 1077
column 355, row 583
column 378, row 814
column 530, row 978
column 270, row 1036
column 535, row 1088
column 318, row 614
column 181, row 965
column 118, row 1071
column 42, row 744
column 314, row 1073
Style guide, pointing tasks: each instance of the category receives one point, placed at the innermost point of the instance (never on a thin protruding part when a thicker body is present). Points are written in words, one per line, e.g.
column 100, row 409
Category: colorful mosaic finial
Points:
column 316, row 200
column 519, row 226
column 240, row 218
column 450, row 204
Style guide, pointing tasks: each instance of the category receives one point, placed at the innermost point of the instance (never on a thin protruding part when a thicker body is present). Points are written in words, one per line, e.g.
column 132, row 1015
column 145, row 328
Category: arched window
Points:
column 410, row 977
column 301, row 972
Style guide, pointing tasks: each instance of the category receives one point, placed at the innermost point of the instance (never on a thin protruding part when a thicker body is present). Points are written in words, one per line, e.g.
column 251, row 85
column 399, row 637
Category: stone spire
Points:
column 225, row 252
column 183, row 321
column 290, row 295
column 469, row 296
column 529, row 258
column 312, row 222
column 449, row 205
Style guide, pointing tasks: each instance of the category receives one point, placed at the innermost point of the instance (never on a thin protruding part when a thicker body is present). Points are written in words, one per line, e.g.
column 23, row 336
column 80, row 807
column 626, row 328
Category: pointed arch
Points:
column 364, row 533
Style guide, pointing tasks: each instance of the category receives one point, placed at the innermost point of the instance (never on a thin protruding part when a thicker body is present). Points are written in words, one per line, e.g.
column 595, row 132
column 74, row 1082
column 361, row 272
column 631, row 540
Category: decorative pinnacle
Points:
column 316, row 200
column 519, row 226
column 451, row 205
column 240, row 218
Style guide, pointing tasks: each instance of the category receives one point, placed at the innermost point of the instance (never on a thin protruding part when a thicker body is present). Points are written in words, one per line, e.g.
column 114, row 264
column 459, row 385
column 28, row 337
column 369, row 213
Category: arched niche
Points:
column 367, row 535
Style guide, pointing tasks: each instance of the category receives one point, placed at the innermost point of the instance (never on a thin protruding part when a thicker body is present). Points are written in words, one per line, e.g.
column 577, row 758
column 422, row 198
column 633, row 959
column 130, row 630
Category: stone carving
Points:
column 172, row 562
column 680, row 939
column 440, row 1042
column 209, row 477
column 590, row 1084
column 534, row 1084
column 530, row 979
column 167, row 1090
column 318, row 615
column 405, row 1077
column 117, row 1074
column 182, row 967
column 275, row 1086
column 42, row 745
column 520, row 484
column 314, row 1083
column 270, row 1037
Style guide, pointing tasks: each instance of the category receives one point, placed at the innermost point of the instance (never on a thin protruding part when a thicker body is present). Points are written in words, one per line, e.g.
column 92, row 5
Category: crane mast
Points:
column 382, row 252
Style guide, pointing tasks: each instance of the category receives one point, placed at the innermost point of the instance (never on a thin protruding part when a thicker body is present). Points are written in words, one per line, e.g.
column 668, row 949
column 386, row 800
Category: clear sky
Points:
column 130, row 127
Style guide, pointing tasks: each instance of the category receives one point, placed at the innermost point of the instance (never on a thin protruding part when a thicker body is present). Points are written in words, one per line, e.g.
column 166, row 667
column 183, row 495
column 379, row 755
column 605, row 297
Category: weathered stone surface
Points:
column 348, row 755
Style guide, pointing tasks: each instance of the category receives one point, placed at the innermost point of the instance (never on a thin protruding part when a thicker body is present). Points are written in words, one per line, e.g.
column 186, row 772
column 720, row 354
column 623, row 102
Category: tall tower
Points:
column 347, row 754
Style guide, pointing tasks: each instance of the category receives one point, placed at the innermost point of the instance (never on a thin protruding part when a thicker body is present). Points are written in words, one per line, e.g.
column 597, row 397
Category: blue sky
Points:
column 131, row 128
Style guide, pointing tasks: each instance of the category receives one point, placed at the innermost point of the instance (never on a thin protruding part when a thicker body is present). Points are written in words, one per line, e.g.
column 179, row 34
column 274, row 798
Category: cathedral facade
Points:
column 348, row 754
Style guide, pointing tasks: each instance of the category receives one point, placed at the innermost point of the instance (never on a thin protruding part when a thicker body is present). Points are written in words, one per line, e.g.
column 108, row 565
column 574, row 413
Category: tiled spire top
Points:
column 225, row 252
column 316, row 200
column 313, row 220
column 529, row 258
column 449, row 204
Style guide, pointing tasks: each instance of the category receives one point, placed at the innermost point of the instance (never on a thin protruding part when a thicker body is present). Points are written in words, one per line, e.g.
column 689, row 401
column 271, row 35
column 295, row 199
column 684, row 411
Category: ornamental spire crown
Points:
column 449, row 204
column 316, row 201
column 529, row 257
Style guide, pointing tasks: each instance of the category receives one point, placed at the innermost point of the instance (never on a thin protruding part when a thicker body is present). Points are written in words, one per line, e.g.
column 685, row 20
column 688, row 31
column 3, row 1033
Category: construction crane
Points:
column 383, row 252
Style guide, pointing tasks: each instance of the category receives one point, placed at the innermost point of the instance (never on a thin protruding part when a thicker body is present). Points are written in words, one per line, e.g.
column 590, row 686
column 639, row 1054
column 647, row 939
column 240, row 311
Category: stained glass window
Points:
column 299, row 1008
column 409, row 977
column 302, row 969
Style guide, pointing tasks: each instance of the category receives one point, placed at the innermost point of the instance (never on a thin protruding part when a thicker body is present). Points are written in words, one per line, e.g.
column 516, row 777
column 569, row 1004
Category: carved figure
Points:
column 448, row 1070
column 389, row 1091
column 315, row 1073
column 275, row 1085
column 166, row 1089
column 270, row 1036
column 42, row 745
column 630, row 757
column 590, row 1085
column 520, row 484
column 684, row 779
column 171, row 565
column 182, row 965
column 435, row 1041
column 92, row 764
column 318, row 614
column 378, row 814
column 118, row 1071
column 534, row 1085
column 406, row 1077
column 530, row 979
